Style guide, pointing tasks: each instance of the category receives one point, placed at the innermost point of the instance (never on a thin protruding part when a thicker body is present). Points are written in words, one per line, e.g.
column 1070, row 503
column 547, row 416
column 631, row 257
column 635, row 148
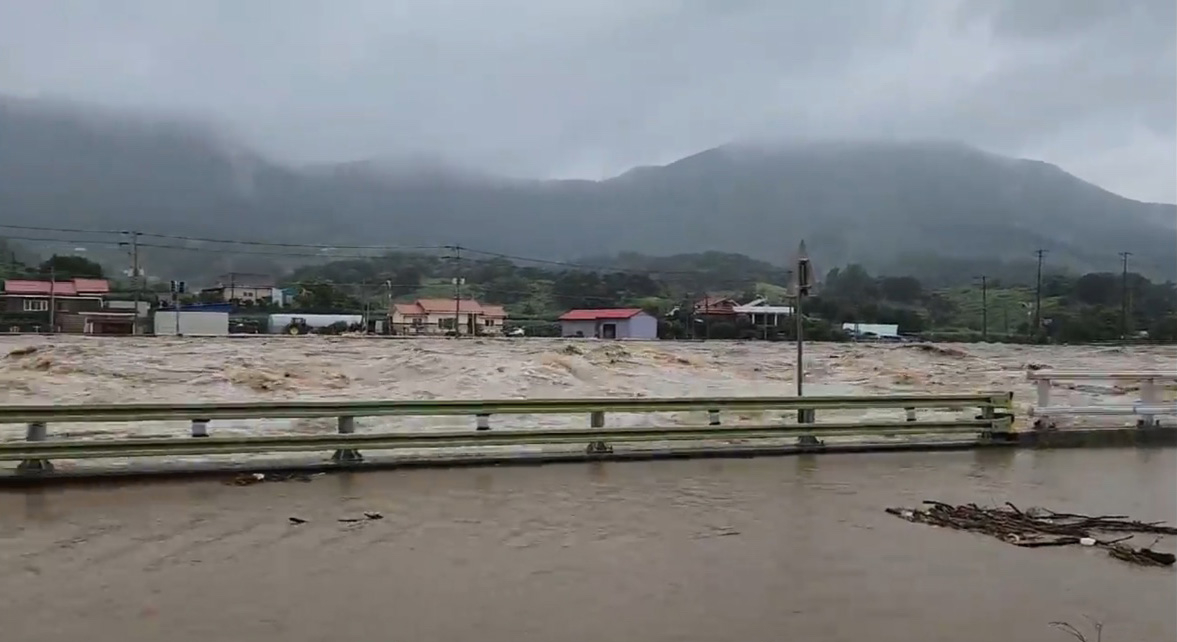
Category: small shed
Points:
column 610, row 323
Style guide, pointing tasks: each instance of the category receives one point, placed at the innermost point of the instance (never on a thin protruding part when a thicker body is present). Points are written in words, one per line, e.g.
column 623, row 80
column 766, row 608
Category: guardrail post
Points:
column 805, row 416
column 1149, row 396
column 597, row 420
column 482, row 422
column 1042, row 421
column 713, row 417
column 988, row 414
column 347, row 426
column 36, row 431
column 199, row 427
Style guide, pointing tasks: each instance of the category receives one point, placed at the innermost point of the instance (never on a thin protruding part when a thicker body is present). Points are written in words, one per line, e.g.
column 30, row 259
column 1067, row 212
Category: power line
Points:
column 335, row 256
column 222, row 250
column 584, row 266
column 199, row 239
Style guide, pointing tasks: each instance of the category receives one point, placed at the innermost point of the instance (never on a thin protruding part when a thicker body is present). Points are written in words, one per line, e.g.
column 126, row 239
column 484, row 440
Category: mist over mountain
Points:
column 876, row 203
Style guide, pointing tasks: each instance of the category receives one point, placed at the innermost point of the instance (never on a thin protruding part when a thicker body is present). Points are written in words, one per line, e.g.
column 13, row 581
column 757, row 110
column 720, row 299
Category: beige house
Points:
column 438, row 317
column 241, row 286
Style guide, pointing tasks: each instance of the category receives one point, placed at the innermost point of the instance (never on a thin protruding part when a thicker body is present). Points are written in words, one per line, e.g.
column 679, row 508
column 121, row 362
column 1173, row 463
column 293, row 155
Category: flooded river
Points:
column 76, row 369
column 794, row 548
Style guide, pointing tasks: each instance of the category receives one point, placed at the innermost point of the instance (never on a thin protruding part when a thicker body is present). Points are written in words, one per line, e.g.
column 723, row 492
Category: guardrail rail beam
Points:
column 1146, row 408
column 36, row 453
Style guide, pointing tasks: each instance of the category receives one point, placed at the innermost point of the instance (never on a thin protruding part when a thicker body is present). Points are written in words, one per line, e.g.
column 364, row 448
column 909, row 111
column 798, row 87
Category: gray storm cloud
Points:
column 570, row 88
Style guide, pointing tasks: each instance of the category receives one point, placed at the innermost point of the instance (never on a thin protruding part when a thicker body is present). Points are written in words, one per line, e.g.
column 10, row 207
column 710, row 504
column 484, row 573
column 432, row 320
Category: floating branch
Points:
column 1039, row 527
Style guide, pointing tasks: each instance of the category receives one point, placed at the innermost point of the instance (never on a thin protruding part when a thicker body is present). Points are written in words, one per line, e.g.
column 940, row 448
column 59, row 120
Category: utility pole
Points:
column 706, row 316
column 1038, row 297
column 458, row 281
column 1124, row 297
column 388, row 307
column 364, row 305
column 984, row 308
column 136, row 286
column 52, row 299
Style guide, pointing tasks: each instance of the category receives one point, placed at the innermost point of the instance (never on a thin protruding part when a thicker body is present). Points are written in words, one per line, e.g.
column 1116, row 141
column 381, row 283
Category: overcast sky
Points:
column 591, row 87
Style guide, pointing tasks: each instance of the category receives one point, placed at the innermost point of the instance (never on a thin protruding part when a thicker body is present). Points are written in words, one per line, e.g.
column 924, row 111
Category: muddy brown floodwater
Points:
column 76, row 369
column 794, row 548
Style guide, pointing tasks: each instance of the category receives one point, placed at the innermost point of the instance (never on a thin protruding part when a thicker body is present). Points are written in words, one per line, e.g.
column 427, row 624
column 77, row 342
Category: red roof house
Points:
column 76, row 287
column 601, row 313
column 68, row 299
column 609, row 323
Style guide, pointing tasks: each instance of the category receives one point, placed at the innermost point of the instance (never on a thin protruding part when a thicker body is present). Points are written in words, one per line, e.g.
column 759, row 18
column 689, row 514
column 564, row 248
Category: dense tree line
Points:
column 1072, row 309
column 1083, row 308
column 1091, row 307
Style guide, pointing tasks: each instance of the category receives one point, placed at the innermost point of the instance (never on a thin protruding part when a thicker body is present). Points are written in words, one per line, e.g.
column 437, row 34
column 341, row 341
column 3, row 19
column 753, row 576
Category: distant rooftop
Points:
column 601, row 313
column 74, row 287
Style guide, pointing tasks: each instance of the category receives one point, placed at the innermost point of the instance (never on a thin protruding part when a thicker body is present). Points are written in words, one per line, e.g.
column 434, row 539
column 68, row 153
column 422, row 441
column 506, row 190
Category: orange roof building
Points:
column 442, row 316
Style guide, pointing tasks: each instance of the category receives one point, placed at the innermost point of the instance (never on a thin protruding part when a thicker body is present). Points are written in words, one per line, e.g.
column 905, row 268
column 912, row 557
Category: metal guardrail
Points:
column 327, row 408
column 37, row 450
column 1146, row 409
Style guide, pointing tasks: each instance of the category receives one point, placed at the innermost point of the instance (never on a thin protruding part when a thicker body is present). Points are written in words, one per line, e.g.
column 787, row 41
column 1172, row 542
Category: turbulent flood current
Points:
column 160, row 369
column 758, row 550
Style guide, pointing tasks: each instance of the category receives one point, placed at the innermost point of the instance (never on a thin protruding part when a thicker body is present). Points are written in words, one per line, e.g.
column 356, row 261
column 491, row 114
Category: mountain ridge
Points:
column 853, row 201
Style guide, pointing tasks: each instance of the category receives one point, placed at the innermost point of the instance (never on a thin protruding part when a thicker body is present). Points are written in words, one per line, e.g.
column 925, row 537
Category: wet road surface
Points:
column 794, row 548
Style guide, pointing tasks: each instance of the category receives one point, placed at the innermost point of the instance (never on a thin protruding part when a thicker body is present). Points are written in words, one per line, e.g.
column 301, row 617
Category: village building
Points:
column 761, row 314
column 242, row 287
column 716, row 308
column 446, row 317
column 77, row 305
column 609, row 323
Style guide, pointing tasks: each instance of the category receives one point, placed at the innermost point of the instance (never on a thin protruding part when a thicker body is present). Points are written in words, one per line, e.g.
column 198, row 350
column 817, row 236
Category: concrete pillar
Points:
column 347, row 426
column 910, row 413
column 482, row 422
column 713, row 417
column 36, row 431
column 200, row 427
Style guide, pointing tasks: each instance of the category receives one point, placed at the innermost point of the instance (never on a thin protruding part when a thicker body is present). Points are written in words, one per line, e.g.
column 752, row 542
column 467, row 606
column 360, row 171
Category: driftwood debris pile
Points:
column 1040, row 527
